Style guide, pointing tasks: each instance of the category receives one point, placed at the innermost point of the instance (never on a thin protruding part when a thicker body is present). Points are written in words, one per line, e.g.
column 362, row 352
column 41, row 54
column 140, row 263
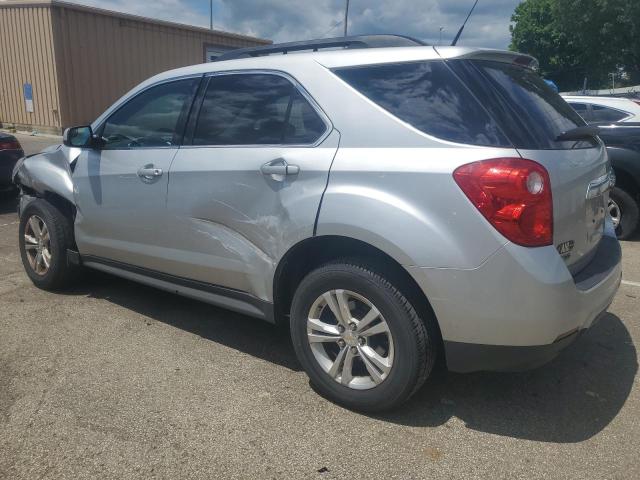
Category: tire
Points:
column 628, row 214
column 414, row 348
column 59, row 273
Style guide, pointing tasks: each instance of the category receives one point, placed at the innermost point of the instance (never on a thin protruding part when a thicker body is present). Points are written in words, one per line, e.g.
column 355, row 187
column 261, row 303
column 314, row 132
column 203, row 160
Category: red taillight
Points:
column 514, row 195
column 10, row 145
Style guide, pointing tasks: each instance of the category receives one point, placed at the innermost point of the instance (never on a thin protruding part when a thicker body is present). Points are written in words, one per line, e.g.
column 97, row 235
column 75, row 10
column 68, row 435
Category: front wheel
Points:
column 359, row 339
column 45, row 236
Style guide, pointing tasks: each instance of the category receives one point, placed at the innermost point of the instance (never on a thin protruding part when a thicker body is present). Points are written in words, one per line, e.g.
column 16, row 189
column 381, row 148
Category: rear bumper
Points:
column 521, row 307
column 470, row 357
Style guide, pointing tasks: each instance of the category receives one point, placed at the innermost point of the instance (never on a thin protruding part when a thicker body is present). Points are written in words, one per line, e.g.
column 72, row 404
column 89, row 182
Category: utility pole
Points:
column 440, row 37
column 613, row 81
column 210, row 14
column 346, row 19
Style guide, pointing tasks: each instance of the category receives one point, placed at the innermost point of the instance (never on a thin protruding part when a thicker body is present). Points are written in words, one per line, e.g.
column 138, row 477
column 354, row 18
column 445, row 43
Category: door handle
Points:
column 149, row 172
column 280, row 168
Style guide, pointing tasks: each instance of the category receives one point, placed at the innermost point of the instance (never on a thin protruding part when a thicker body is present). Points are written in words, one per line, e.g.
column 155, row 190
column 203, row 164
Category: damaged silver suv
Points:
column 394, row 203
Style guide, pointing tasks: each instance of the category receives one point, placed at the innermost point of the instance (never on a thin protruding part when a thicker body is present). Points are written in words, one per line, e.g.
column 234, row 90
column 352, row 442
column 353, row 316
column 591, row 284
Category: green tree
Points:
column 573, row 39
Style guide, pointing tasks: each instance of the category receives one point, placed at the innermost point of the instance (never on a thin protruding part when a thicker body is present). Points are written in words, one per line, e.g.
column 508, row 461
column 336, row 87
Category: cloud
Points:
column 287, row 20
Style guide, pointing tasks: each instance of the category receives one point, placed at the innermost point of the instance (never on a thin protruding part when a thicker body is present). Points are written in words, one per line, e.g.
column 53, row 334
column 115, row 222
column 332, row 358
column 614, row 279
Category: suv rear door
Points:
column 248, row 182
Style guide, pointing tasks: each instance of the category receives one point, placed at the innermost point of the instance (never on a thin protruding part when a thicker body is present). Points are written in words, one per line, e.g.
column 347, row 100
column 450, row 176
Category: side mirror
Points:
column 80, row 137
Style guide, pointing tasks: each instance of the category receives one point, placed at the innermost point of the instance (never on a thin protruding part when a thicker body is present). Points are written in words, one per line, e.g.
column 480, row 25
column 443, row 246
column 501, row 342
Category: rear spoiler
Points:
column 579, row 133
column 502, row 56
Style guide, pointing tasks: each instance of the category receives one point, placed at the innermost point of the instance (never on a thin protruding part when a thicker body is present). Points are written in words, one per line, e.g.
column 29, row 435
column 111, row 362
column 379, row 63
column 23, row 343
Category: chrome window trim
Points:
column 299, row 87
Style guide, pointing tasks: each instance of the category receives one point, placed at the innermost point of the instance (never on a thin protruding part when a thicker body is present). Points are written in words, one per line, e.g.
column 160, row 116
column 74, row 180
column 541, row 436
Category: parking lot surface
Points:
column 116, row 380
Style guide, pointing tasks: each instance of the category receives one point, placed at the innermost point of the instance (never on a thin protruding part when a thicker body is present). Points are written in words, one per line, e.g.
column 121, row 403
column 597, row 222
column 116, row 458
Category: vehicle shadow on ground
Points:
column 240, row 332
column 569, row 400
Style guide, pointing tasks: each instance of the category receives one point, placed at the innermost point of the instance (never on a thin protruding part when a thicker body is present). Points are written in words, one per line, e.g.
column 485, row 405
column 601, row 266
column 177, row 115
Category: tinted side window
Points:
column 304, row 125
column 150, row 119
column 606, row 114
column 429, row 97
column 255, row 109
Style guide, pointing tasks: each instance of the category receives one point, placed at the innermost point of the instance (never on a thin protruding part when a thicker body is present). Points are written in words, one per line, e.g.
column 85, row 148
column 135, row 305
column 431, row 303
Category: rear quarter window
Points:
column 601, row 113
column 429, row 97
column 530, row 112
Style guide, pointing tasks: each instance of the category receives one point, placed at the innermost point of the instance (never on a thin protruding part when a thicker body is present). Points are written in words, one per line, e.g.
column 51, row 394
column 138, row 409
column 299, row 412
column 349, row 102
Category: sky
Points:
column 289, row 20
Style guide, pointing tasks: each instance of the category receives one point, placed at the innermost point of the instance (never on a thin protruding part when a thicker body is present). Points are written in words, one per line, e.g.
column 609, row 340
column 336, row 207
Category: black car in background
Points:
column 10, row 152
column 623, row 146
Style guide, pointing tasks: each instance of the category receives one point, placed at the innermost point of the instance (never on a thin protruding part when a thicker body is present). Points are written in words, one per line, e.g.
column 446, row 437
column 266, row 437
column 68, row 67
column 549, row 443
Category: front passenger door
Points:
column 121, row 188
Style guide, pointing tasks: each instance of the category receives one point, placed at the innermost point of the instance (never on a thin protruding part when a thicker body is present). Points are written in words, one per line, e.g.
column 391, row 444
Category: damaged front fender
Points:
column 48, row 172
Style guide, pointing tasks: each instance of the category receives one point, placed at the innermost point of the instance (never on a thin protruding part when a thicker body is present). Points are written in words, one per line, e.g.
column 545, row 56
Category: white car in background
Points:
column 605, row 109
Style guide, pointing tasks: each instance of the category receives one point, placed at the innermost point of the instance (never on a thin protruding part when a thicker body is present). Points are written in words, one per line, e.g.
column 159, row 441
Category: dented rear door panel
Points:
column 228, row 224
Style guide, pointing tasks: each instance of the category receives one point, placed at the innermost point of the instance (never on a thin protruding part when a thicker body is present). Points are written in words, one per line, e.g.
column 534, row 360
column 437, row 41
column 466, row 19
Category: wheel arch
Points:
column 63, row 205
column 627, row 182
column 626, row 165
column 313, row 252
column 47, row 173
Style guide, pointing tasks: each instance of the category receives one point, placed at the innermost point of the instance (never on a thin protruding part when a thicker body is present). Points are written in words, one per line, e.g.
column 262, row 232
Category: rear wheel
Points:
column 45, row 235
column 624, row 211
column 359, row 339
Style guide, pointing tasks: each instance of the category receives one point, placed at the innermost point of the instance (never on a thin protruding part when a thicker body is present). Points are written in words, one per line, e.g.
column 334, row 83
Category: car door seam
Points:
column 326, row 186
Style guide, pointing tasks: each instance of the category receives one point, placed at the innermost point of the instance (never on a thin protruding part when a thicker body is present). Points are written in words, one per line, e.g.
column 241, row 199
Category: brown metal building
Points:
column 74, row 61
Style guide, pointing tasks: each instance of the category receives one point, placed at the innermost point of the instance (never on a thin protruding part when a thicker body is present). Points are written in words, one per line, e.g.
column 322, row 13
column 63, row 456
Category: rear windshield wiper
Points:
column 579, row 133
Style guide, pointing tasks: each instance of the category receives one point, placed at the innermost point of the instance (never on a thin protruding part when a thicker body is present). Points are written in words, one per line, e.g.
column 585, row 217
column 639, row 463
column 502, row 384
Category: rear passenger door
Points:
column 248, row 182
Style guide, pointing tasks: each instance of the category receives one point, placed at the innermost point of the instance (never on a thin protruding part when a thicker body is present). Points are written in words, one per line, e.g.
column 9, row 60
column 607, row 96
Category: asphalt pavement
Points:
column 116, row 380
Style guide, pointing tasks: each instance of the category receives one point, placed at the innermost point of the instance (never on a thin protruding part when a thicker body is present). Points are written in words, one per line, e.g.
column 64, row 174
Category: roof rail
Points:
column 359, row 41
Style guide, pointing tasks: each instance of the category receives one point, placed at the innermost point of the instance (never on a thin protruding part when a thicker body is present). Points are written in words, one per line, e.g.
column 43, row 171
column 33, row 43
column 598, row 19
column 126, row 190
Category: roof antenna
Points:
column 455, row 40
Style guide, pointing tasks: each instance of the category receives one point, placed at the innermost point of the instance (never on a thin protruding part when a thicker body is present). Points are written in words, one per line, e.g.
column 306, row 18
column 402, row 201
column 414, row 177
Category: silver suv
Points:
column 396, row 204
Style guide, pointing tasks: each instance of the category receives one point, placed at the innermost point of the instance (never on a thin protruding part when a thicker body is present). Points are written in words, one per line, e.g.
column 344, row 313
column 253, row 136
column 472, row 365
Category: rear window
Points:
column 530, row 113
column 429, row 97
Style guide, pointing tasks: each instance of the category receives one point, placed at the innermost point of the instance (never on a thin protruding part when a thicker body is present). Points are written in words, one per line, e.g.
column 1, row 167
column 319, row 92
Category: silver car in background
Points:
column 395, row 204
column 604, row 110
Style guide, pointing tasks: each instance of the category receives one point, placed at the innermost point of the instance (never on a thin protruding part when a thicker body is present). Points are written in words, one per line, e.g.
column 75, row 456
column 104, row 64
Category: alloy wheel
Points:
column 37, row 244
column 614, row 211
column 350, row 339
